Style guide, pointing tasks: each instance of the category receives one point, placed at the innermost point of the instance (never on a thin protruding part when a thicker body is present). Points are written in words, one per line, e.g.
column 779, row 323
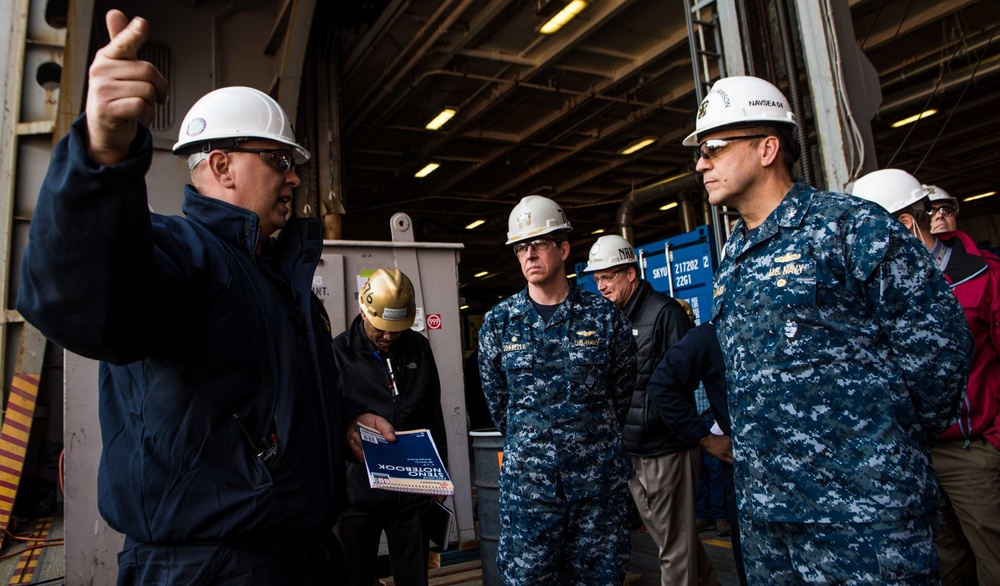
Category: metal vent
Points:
column 160, row 55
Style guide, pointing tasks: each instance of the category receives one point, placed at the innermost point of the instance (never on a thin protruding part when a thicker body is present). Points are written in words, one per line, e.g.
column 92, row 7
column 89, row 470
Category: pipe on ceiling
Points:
column 669, row 186
column 984, row 71
column 935, row 60
column 385, row 87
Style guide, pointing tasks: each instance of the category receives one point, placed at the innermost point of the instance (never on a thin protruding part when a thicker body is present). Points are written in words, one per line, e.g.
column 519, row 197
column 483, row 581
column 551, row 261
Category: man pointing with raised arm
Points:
column 224, row 431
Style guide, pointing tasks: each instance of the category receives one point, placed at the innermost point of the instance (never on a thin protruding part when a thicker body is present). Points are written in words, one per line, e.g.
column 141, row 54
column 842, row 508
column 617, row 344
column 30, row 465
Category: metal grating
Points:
column 161, row 56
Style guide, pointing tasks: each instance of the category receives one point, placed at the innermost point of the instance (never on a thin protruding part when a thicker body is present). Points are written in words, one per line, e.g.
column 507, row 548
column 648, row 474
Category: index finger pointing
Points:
column 126, row 37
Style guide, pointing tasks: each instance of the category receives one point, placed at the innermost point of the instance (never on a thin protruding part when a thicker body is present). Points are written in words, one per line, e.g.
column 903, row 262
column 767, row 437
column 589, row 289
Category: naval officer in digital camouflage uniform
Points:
column 845, row 353
column 558, row 364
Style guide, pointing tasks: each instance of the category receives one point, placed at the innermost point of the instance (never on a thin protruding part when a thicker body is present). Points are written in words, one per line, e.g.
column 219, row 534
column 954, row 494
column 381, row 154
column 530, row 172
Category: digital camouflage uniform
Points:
column 559, row 393
column 846, row 352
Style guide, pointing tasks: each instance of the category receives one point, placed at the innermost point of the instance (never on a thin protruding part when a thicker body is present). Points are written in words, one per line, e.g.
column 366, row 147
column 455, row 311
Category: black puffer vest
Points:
column 645, row 434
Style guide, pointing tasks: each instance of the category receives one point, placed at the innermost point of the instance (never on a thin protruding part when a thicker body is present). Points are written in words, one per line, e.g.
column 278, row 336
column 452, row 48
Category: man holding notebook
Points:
column 389, row 369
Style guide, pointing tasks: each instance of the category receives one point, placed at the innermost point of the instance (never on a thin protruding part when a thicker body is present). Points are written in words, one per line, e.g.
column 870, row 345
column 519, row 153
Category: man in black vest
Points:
column 666, row 466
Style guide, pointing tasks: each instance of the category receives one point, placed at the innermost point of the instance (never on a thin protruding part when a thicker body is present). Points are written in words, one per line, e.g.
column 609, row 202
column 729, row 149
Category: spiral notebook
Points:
column 410, row 464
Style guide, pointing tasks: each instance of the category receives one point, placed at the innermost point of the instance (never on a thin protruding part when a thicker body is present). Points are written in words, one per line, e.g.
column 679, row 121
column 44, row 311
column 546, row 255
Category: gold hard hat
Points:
column 387, row 300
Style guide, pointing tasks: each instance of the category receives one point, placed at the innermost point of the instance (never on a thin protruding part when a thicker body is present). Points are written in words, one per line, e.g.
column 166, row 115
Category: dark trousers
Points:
column 141, row 564
column 359, row 530
column 734, row 520
column 710, row 500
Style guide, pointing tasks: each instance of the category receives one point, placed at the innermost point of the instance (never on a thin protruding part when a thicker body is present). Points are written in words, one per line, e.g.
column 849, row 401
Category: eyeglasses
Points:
column 946, row 211
column 605, row 279
column 539, row 244
column 280, row 159
column 710, row 149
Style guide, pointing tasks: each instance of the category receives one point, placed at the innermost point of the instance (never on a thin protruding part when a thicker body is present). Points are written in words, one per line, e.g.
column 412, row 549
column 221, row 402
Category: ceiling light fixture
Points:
column 481, row 274
column 441, row 119
column 562, row 17
column 427, row 170
column 914, row 118
column 637, row 146
column 598, row 231
column 463, row 307
column 668, row 206
column 571, row 276
column 475, row 224
column 980, row 196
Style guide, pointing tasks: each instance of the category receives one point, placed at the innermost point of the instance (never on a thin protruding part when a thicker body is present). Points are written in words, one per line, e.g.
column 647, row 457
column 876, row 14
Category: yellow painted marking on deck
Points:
column 23, row 394
column 718, row 543
column 24, row 572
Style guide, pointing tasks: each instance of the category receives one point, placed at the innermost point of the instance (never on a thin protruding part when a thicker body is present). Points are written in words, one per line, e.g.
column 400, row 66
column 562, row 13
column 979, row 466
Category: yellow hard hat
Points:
column 387, row 300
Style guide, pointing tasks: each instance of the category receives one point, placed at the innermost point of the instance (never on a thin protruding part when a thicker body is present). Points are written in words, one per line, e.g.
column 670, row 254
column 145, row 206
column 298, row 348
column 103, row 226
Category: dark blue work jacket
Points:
column 193, row 331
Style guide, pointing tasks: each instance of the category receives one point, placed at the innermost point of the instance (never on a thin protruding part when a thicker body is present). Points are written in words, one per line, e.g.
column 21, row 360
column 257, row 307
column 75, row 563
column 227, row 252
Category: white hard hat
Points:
column 236, row 112
column 893, row 189
column 739, row 100
column 609, row 251
column 935, row 193
column 534, row 216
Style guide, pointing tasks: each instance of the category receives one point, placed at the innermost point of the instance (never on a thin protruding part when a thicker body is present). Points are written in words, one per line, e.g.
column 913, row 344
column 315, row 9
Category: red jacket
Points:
column 975, row 279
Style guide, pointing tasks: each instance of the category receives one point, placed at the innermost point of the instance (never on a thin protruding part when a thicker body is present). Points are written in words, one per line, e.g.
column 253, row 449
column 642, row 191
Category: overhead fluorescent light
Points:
column 441, row 119
column 914, row 118
column 571, row 276
column 427, row 170
column 475, row 224
column 668, row 206
column 463, row 307
column 562, row 17
column 481, row 274
column 980, row 196
column 598, row 231
column 639, row 145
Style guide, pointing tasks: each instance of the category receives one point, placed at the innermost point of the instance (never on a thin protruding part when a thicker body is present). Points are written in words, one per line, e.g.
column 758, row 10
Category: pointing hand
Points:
column 123, row 91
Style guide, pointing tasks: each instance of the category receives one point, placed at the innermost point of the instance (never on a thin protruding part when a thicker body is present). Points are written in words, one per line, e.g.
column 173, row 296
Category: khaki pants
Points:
column 969, row 539
column 664, row 489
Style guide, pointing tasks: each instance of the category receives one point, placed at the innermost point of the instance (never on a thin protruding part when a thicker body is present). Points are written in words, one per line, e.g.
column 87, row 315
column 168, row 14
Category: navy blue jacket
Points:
column 192, row 329
column 697, row 357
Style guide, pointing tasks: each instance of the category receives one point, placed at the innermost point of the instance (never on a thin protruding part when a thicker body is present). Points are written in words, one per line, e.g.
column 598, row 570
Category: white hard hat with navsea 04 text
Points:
column 609, row 251
column 535, row 216
column 387, row 300
column 229, row 115
column 893, row 189
column 740, row 100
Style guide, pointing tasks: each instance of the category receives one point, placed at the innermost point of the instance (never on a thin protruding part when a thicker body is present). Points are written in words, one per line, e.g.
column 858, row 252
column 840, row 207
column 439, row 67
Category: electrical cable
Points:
column 62, row 487
column 968, row 82
column 871, row 28
column 856, row 159
column 33, row 539
column 30, row 548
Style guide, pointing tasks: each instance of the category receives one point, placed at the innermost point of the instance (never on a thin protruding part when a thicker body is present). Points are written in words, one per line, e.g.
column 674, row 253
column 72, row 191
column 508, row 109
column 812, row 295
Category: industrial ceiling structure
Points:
column 553, row 114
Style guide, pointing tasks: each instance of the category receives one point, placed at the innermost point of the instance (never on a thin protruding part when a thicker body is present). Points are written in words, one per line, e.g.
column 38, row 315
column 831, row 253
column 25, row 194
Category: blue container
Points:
column 486, row 444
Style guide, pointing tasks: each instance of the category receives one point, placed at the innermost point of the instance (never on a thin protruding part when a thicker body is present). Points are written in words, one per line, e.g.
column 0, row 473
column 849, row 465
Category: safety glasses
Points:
column 539, row 244
column 280, row 159
column 710, row 149
column 947, row 211
column 603, row 279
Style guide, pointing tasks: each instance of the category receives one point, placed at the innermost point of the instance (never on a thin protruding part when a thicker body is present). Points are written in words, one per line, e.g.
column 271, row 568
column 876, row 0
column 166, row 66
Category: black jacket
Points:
column 365, row 379
column 192, row 328
column 657, row 323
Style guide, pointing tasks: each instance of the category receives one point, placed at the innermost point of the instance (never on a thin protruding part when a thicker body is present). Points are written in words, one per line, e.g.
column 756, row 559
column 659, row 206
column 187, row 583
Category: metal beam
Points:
column 843, row 86
column 293, row 55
